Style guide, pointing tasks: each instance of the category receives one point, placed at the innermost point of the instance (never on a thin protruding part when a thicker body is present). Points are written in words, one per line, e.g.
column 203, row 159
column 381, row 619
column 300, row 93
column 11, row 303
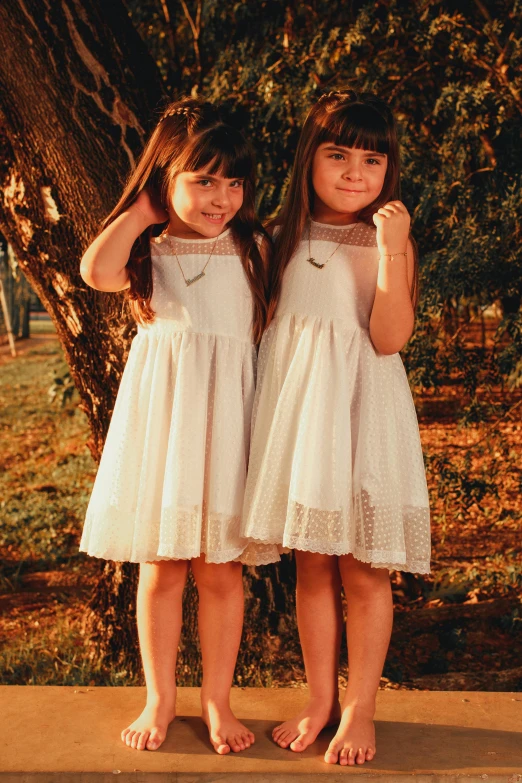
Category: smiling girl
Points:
column 336, row 470
column 185, row 243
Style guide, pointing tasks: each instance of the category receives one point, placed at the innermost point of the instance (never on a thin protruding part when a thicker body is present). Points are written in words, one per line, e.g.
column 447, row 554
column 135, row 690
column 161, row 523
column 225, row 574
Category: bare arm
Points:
column 392, row 317
column 103, row 265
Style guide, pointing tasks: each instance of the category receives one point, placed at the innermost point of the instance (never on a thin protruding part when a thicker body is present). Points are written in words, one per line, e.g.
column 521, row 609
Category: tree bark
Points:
column 75, row 107
column 78, row 95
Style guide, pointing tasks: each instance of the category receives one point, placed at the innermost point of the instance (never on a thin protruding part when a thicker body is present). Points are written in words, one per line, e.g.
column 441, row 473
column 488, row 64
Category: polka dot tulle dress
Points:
column 336, row 463
column 171, row 479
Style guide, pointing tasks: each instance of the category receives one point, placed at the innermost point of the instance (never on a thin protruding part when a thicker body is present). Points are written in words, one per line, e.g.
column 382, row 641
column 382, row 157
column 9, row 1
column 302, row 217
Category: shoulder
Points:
column 159, row 246
column 363, row 235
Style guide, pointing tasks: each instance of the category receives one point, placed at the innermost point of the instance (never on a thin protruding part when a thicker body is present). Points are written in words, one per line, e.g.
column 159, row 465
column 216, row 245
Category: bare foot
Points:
column 150, row 729
column 226, row 732
column 354, row 742
column 301, row 731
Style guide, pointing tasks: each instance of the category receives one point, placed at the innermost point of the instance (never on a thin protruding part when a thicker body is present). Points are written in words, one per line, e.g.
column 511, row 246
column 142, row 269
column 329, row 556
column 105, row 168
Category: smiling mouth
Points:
column 350, row 190
column 214, row 216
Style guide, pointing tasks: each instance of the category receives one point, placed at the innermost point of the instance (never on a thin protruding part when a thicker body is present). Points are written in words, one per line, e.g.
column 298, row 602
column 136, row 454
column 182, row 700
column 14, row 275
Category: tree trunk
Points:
column 78, row 92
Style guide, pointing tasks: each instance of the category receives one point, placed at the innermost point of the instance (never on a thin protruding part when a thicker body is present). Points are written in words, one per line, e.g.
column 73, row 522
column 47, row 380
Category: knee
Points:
column 217, row 578
column 361, row 580
column 315, row 570
column 163, row 576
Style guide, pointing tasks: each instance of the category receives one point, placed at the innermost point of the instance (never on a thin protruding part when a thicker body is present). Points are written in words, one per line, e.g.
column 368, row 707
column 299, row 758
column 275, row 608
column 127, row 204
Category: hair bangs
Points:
column 355, row 125
column 220, row 151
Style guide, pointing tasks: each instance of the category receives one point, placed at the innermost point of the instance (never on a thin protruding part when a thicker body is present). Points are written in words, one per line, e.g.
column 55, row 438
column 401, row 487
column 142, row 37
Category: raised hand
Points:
column 393, row 227
column 148, row 204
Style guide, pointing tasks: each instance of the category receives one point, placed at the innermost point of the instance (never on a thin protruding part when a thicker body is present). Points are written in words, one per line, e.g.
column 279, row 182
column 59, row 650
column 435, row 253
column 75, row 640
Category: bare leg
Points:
column 221, row 602
column 319, row 617
column 369, row 624
column 159, row 612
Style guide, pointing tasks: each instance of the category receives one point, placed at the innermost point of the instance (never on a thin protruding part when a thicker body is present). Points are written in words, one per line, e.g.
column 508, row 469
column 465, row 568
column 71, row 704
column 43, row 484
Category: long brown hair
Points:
column 349, row 119
column 192, row 135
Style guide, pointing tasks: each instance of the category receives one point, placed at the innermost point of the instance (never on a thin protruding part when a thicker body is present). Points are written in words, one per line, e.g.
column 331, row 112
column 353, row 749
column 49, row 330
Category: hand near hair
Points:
column 393, row 228
column 104, row 263
column 148, row 204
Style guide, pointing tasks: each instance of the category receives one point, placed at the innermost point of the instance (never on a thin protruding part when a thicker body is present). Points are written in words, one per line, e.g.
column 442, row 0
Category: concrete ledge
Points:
column 50, row 734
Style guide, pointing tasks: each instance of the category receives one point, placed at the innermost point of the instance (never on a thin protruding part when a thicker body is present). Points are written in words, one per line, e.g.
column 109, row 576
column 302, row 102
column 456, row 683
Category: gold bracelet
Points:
column 392, row 255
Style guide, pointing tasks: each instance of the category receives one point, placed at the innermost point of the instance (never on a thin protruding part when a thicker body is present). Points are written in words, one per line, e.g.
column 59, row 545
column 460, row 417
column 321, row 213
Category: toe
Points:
column 343, row 756
column 155, row 740
column 277, row 731
column 332, row 754
column 246, row 739
column 220, row 744
column 142, row 740
column 286, row 738
column 361, row 756
column 129, row 737
column 299, row 743
column 351, row 757
column 370, row 753
column 252, row 737
column 135, row 739
column 124, row 734
column 280, row 737
column 236, row 743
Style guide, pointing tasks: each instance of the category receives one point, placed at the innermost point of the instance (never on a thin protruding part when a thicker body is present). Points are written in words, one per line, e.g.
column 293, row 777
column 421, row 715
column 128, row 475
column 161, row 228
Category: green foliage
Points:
column 452, row 74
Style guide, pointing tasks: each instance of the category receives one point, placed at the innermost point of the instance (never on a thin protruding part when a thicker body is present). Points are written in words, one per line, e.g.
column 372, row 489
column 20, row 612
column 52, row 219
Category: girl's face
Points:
column 202, row 204
column 345, row 180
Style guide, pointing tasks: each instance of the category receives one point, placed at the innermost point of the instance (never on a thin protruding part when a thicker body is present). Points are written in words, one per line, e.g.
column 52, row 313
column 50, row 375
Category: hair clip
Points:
column 342, row 95
column 186, row 110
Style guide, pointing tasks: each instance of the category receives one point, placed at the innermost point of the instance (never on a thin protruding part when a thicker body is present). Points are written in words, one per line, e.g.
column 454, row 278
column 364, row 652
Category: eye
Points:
column 205, row 182
column 238, row 183
column 336, row 156
column 372, row 161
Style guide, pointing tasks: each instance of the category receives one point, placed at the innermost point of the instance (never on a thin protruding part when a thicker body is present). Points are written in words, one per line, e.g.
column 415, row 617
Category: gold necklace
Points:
column 202, row 273
column 311, row 259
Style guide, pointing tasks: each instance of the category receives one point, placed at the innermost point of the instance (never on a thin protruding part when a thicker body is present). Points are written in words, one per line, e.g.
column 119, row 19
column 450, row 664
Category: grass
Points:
column 46, row 475
column 44, row 326
column 47, row 470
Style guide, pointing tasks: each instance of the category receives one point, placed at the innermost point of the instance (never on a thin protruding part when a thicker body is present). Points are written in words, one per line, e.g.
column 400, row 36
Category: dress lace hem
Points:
column 394, row 561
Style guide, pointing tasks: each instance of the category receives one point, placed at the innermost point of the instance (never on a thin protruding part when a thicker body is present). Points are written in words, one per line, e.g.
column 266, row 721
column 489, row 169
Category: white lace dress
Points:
column 171, row 480
column 335, row 464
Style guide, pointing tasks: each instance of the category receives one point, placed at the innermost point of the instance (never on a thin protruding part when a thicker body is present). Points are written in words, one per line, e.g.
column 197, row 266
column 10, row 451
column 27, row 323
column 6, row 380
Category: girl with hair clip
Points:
column 185, row 243
column 336, row 470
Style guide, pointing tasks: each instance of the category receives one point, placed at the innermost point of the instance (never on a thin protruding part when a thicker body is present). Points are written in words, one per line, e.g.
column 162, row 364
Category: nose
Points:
column 352, row 171
column 221, row 198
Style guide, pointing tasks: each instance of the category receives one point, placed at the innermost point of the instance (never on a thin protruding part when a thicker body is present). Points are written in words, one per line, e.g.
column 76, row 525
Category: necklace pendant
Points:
column 195, row 279
column 314, row 263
